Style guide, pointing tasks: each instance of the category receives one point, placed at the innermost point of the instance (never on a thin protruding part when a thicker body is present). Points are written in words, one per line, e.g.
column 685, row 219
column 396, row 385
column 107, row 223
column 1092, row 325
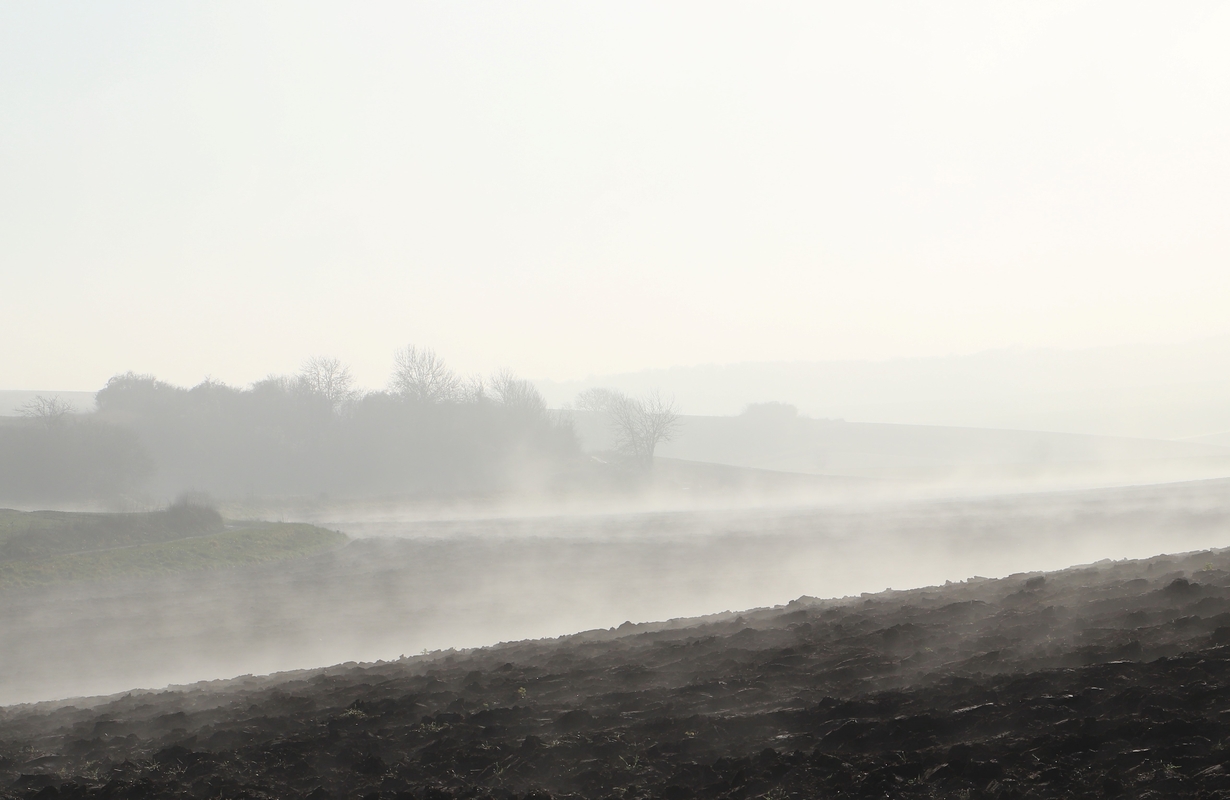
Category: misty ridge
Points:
column 1177, row 390
column 432, row 438
column 429, row 433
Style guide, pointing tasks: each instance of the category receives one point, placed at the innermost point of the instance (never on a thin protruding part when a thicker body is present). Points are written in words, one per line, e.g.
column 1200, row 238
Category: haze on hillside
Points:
column 334, row 332
column 1162, row 391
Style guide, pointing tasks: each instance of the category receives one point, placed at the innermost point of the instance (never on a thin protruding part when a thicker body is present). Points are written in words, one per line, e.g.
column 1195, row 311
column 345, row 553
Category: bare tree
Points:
column 659, row 421
column 270, row 383
column 597, row 400
column 472, row 390
column 517, row 393
column 49, row 411
column 329, row 378
column 419, row 374
column 640, row 425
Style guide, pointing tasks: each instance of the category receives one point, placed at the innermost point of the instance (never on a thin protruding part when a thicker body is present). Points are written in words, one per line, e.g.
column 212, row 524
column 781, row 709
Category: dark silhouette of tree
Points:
column 419, row 374
column 639, row 424
column 49, row 411
column 517, row 394
column 56, row 457
column 597, row 400
column 329, row 378
column 283, row 436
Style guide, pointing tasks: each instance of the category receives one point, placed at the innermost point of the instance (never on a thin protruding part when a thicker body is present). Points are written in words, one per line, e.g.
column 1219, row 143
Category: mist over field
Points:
column 698, row 401
column 466, row 512
column 400, row 587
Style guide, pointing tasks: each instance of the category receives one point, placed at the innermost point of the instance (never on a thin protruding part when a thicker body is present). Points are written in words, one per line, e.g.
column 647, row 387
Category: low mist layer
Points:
column 402, row 587
column 1107, row 680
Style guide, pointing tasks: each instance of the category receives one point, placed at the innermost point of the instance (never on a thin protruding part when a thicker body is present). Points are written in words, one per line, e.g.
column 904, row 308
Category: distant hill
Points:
column 777, row 440
column 1222, row 439
column 1152, row 391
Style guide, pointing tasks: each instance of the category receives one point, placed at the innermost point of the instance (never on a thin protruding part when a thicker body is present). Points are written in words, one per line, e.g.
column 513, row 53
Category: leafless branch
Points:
column 419, row 374
column 47, row 410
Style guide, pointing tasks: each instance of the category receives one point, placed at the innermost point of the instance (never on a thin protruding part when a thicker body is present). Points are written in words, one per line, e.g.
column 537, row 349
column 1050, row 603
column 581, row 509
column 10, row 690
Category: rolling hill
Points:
column 772, row 437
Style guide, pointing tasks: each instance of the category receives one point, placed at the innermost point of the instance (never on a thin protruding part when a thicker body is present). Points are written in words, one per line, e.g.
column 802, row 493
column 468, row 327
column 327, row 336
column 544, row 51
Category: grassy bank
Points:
column 55, row 553
column 39, row 534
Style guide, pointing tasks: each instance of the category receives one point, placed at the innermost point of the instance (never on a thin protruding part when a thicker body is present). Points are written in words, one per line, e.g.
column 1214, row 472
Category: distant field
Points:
column 938, row 455
column 33, row 534
column 53, row 547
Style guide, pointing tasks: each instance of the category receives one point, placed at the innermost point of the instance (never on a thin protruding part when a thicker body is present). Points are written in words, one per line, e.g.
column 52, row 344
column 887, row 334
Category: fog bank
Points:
column 402, row 587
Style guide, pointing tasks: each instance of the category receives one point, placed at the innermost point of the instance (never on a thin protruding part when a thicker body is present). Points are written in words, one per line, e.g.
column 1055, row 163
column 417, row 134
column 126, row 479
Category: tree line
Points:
column 429, row 432
column 312, row 433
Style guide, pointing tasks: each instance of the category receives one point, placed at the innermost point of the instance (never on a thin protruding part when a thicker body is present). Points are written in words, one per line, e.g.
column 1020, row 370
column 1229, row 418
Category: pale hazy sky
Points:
column 573, row 188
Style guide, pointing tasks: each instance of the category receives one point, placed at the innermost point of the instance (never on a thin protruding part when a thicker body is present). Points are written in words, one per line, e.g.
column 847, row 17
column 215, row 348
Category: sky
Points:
column 566, row 189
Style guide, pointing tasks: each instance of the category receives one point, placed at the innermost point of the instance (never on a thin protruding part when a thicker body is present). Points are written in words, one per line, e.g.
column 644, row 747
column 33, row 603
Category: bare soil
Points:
column 1102, row 681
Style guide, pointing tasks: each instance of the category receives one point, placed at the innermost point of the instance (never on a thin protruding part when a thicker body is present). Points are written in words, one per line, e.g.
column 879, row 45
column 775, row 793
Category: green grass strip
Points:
column 268, row 542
